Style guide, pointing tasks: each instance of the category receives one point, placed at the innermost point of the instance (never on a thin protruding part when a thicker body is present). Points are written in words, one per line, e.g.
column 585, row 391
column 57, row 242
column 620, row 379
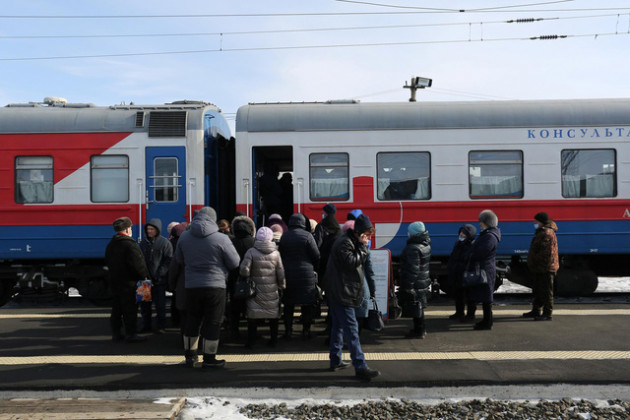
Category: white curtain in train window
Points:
column 34, row 179
column 588, row 173
column 403, row 176
column 329, row 176
column 496, row 173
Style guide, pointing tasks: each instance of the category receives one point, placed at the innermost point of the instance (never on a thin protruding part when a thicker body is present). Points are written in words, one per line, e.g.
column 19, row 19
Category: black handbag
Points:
column 474, row 277
column 244, row 288
column 375, row 318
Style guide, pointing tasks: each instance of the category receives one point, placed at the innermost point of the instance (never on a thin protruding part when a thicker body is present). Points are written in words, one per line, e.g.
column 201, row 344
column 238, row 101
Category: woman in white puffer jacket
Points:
column 263, row 265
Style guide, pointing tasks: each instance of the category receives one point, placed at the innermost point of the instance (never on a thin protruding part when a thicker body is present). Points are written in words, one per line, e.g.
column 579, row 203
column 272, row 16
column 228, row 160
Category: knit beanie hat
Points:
column 349, row 224
column 469, row 230
column 264, row 234
column 354, row 214
column 209, row 211
column 330, row 209
column 122, row 223
column 362, row 224
column 415, row 228
column 488, row 218
column 542, row 217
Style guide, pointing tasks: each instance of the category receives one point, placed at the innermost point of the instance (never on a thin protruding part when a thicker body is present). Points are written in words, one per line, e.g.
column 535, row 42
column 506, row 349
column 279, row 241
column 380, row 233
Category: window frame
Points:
column 310, row 176
column 378, row 192
column 92, row 189
column 18, row 170
column 615, row 192
column 496, row 197
column 176, row 178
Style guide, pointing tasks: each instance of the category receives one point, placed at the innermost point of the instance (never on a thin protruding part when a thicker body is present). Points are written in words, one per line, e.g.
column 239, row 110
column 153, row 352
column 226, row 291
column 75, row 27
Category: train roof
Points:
column 352, row 115
column 62, row 117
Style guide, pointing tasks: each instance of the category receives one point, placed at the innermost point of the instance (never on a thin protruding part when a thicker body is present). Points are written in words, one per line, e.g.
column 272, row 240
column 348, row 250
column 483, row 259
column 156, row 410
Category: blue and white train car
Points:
column 445, row 162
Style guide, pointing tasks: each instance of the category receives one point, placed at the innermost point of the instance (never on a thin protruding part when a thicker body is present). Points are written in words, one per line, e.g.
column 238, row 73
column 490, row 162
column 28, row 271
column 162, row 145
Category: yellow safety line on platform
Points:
column 323, row 357
column 431, row 313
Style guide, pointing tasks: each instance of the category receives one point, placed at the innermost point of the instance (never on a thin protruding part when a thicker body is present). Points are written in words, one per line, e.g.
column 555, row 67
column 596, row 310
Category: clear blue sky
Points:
column 121, row 51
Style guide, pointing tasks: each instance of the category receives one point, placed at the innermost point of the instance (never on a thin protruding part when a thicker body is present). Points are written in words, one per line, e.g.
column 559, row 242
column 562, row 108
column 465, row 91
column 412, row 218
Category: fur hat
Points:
column 264, row 234
column 488, row 218
column 171, row 226
column 415, row 228
column 330, row 209
column 349, row 224
column 542, row 217
column 275, row 216
column 209, row 211
column 122, row 223
column 362, row 224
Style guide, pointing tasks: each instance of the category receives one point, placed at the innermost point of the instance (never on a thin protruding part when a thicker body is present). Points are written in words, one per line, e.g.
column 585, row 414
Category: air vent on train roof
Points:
column 139, row 119
column 167, row 123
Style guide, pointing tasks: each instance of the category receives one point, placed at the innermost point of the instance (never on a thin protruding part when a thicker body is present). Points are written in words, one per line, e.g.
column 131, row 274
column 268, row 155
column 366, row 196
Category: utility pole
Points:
column 417, row 83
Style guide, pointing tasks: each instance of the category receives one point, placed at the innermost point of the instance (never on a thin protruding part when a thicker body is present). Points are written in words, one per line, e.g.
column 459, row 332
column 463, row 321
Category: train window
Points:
column 404, row 176
column 588, row 173
column 109, row 178
column 495, row 174
column 165, row 180
column 33, row 179
column 329, row 177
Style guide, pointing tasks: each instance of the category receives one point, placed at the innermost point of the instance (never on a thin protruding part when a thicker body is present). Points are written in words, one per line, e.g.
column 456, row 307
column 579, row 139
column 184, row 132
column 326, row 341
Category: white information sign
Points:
column 381, row 264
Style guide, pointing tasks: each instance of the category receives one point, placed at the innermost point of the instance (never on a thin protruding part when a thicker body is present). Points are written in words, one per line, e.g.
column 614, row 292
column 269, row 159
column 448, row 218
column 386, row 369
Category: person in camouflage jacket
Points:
column 543, row 263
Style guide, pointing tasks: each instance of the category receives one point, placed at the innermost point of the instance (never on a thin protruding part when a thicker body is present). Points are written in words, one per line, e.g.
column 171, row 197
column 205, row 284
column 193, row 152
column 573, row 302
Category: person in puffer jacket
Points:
column 207, row 256
column 263, row 265
column 414, row 275
column 543, row 262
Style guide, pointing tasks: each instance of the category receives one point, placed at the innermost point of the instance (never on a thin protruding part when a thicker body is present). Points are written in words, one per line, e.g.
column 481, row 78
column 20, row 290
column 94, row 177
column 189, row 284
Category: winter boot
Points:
column 191, row 358
column 486, row 322
column 470, row 313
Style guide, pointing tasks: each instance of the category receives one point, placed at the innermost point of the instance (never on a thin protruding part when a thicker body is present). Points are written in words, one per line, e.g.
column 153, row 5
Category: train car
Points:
column 445, row 162
column 69, row 170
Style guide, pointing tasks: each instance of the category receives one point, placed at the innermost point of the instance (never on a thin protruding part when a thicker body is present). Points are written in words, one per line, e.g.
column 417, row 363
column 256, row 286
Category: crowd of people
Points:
column 301, row 263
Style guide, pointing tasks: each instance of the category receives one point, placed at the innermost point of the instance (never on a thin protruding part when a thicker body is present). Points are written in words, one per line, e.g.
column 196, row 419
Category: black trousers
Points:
column 124, row 312
column 542, row 289
column 204, row 312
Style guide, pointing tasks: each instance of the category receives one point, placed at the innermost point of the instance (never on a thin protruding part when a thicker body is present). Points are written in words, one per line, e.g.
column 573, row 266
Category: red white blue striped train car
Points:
column 443, row 163
column 69, row 170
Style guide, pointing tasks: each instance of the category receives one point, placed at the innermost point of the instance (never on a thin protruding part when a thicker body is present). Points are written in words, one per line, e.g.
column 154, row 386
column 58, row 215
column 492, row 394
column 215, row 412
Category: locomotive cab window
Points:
column 329, row 177
column 404, row 176
column 33, row 179
column 109, row 179
column 495, row 174
column 588, row 173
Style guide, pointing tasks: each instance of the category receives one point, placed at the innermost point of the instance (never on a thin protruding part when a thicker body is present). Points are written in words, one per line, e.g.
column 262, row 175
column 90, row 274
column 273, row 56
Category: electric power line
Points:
column 487, row 9
column 295, row 47
column 326, row 29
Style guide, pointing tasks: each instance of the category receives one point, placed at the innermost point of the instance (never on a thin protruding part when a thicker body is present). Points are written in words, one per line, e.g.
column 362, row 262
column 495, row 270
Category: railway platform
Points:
column 68, row 347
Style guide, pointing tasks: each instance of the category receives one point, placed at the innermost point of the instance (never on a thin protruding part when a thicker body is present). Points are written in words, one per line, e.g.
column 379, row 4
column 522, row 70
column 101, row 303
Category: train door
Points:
column 165, row 195
column 272, row 192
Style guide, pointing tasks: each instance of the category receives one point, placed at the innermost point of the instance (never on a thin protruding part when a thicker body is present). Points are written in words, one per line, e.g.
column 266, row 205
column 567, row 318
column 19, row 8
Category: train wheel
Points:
column 6, row 291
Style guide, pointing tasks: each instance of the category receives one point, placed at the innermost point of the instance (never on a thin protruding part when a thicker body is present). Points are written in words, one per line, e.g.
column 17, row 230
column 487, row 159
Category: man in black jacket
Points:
column 158, row 252
column 126, row 266
column 344, row 288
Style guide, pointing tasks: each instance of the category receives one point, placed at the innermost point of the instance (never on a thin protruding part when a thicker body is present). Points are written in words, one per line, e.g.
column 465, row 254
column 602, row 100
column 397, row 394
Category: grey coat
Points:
column 263, row 265
column 207, row 254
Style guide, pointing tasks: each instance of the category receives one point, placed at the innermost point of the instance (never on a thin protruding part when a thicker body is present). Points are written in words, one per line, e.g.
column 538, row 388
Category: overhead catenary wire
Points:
column 294, row 47
column 487, row 9
column 324, row 29
column 323, row 14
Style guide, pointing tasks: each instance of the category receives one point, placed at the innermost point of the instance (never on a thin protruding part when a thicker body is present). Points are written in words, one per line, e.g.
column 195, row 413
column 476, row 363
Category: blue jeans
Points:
column 345, row 326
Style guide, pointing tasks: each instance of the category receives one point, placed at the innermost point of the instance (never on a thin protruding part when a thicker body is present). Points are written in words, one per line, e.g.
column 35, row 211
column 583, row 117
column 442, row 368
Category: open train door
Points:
column 165, row 196
column 272, row 168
